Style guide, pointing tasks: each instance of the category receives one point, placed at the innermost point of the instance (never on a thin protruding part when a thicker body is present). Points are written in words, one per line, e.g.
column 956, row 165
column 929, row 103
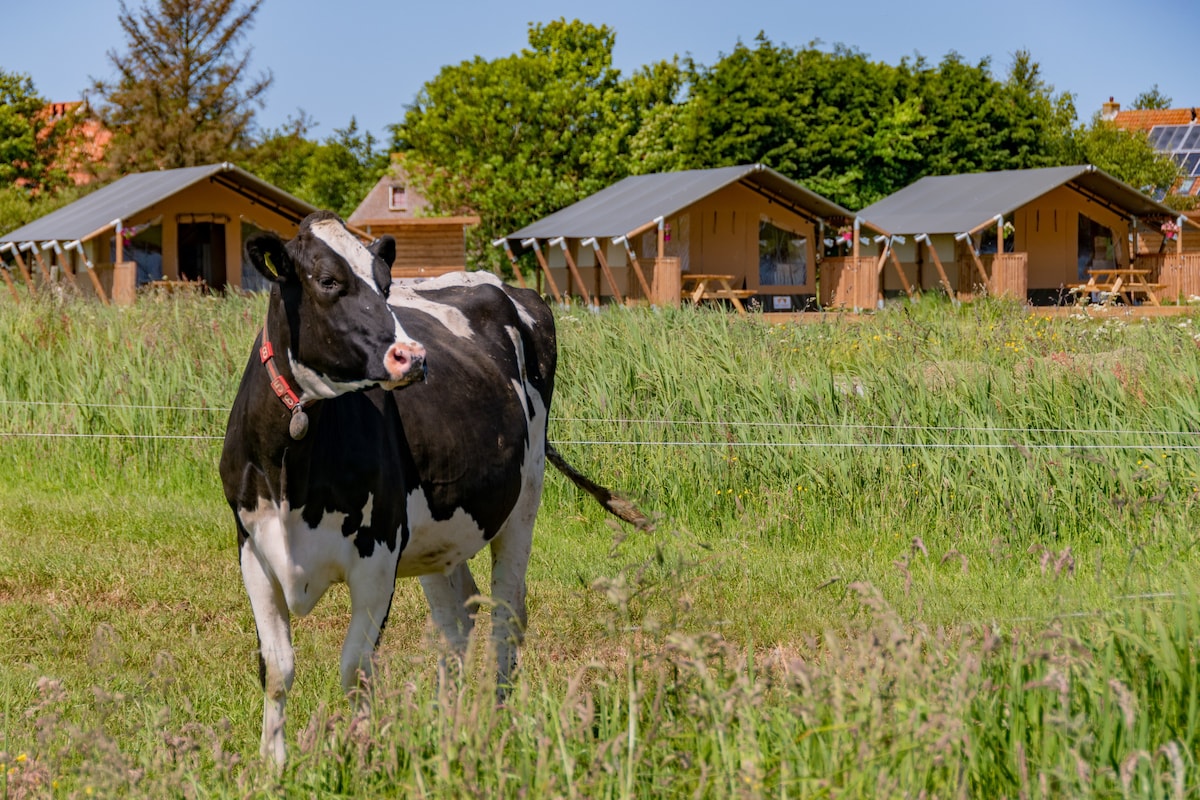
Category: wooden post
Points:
column 857, row 225
column 887, row 247
column 966, row 239
column 21, row 265
column 91, row 271
column 63, row 263
column 537, row 251
column 513, row 260
column 999, row 235
column 937, row 262
column 12, row 288
column 37, row 256
column 900, row 271
column 562, row 242
column 603, row 262
column 637, row 268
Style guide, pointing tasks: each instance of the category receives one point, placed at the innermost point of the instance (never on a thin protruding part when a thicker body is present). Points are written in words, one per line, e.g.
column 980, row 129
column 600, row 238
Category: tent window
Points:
column 782, row 256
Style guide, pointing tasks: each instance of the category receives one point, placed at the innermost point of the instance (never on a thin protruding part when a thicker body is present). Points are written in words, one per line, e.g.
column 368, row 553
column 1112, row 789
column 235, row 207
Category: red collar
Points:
column 283, row 390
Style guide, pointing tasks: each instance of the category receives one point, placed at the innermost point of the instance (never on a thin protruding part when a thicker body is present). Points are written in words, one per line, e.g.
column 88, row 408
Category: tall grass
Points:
column 943, row 552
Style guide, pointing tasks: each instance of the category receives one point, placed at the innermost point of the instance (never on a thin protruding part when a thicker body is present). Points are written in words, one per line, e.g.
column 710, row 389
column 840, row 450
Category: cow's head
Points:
column 331, row 299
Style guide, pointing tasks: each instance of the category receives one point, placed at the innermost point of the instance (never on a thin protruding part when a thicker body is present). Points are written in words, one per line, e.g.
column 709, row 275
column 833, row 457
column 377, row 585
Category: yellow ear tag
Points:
column 270, row 266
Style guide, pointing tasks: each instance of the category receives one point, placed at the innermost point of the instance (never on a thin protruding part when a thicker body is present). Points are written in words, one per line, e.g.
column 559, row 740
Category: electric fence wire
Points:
column 722, row 425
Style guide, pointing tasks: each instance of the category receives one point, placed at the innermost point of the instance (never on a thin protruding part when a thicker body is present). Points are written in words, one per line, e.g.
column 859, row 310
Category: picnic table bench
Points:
column 1126, row 283
column 700, row 287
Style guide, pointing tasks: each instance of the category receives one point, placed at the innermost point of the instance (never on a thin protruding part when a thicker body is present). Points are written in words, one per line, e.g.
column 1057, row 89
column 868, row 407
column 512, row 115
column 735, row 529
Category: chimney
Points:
column 1109, row 110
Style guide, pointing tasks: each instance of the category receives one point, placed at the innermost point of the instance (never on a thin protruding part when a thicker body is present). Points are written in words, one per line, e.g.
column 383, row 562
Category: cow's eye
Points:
column 328, row 283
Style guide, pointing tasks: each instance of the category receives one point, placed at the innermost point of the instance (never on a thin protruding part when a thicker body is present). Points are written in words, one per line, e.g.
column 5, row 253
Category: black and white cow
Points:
column 383, row 431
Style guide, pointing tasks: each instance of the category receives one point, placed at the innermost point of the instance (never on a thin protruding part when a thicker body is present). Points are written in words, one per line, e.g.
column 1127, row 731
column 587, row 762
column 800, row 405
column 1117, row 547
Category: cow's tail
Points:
column 615, row 503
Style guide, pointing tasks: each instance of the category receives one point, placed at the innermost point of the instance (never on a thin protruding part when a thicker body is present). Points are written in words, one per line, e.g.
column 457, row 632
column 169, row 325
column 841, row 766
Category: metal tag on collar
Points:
column 298, row 427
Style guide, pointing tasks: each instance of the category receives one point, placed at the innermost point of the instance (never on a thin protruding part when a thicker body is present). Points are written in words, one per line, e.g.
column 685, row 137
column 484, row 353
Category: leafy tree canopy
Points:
column 518, row 137
column 183, row 94
column 1152, row 99
column 1126, row 155
column 30, row 142
column 335, row 174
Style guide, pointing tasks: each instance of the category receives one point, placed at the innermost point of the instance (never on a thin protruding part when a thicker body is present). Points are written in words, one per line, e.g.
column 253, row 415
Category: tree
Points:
column 335, row 174
column 521, row 136
column 182, row 95
column 1126, row 155
column 1152, row 99
column 30, row 142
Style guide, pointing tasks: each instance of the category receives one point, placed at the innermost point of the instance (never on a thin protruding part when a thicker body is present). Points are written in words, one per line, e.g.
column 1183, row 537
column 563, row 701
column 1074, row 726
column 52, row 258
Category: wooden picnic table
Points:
column 1124, row 282
column 700, row 287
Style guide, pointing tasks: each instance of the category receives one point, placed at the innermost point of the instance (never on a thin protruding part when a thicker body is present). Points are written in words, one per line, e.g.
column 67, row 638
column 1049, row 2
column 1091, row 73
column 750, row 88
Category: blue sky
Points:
column 368, row 58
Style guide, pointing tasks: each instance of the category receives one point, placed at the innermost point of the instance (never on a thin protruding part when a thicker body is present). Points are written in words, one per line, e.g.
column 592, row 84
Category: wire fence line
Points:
column 730, row 424
column 722, row 444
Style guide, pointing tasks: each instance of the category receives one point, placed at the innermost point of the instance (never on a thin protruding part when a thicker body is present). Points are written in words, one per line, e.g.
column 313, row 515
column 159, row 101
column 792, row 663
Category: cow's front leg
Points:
column 276, row 659
column 448, row 595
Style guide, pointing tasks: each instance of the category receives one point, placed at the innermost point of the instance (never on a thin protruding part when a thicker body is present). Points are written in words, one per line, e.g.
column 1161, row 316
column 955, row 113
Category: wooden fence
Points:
column 1178, row 273
column 849, row 283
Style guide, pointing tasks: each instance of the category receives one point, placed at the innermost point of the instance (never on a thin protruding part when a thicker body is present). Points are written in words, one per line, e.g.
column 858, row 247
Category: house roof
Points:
column 377, row 204
column 638, row 200
column 1143, row 119
column 125, row 198
column 961, row 203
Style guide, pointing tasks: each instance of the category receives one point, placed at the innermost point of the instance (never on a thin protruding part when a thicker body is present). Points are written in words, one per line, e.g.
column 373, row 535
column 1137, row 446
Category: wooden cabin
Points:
column 177, row 229
column 1035, row 234
column 743, row 235
column 426, row 245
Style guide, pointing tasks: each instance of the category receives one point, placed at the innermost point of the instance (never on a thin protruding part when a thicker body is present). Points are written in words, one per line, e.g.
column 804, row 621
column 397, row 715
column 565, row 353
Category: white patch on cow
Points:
column 437, row 545
column 315, row 386
column 306, row 561
column 348, row 246
column 452, row 319
column 406, row 294
column 520, row 381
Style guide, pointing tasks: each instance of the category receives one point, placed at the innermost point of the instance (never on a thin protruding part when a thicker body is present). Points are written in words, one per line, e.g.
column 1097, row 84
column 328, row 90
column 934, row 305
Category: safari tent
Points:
column 1032, row 234
column 176, row 228
column 727, row 234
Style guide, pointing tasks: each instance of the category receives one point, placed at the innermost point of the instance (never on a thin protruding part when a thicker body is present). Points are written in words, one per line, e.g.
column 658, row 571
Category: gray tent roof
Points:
column 640, row 199
column 960, row 203
column 135, row 193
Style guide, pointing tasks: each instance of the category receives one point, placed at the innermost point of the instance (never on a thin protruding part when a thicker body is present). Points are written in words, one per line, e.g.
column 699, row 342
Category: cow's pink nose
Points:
column 405, row 361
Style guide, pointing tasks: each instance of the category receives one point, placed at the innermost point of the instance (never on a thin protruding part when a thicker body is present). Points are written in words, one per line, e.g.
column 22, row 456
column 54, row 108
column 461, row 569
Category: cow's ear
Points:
column 268, row 253
column 384, row 247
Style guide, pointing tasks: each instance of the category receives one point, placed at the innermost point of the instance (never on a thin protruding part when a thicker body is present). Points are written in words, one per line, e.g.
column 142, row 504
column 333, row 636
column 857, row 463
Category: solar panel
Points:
column 1181, row 143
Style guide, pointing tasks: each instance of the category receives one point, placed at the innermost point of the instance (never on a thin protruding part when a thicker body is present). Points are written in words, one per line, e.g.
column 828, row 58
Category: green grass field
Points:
column 941, row 551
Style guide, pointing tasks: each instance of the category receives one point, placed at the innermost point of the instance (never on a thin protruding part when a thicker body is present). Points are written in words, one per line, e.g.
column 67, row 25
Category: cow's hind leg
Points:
column 449, row 596
column 371, row 589
column 277, row 661
column 510, row 560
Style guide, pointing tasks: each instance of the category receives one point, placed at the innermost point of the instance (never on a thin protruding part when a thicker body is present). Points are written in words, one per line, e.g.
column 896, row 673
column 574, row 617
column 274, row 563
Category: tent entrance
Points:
column 202, row 253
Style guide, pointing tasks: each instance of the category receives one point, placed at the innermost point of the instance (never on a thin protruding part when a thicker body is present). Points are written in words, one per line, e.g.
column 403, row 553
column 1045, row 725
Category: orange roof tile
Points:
column 1143, row 119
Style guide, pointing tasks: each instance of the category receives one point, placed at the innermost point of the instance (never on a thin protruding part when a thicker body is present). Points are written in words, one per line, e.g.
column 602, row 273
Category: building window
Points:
column 397, row 197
